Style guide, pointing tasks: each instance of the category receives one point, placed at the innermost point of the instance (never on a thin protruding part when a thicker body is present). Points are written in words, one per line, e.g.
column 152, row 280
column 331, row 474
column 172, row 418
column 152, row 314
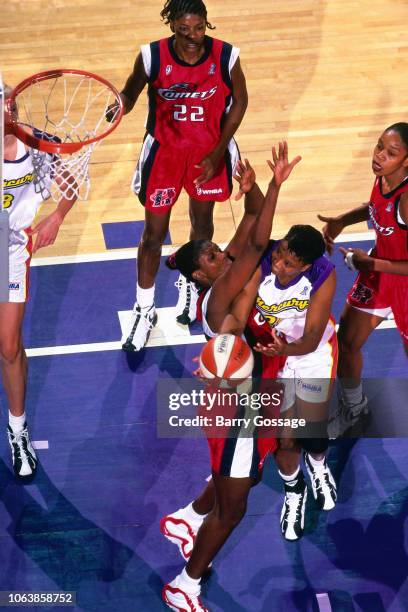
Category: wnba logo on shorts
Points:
column 14, row 286
column 163, row 197
column 201, row 191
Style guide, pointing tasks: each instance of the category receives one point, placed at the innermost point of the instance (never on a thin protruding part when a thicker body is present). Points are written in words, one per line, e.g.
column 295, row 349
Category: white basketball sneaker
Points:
column 180, row 531
column 323, row 484
column 180, row 600
column 346, row 416
column 292, row 518
column 187, row 301
column 139, row 326
column 22, row 452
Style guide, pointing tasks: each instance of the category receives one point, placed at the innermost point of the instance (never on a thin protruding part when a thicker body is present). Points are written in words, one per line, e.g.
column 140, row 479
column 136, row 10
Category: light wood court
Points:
column 328, row 76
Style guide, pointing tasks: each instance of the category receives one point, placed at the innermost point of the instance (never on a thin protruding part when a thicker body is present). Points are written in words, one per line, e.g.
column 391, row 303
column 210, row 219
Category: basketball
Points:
column 228, row 357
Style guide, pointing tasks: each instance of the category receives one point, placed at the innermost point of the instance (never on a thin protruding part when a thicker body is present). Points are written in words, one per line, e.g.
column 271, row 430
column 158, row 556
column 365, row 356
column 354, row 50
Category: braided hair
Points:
column 174, row 9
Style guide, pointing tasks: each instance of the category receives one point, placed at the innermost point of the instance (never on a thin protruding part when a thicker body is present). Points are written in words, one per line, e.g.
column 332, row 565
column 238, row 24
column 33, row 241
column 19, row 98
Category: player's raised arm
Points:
column 230, row 283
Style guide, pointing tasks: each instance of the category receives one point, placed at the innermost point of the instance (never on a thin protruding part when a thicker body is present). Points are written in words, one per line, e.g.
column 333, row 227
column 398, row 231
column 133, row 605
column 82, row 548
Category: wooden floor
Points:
column 328, row 76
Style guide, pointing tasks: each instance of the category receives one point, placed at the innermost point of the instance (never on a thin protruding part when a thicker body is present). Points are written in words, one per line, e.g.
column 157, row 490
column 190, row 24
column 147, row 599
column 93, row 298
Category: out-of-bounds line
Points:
column 95, row 347
column 166, row 250
column 40, row 444
column 323, row 602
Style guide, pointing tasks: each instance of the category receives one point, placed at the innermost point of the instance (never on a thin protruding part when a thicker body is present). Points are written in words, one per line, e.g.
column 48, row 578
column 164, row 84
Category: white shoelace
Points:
column 294, row 508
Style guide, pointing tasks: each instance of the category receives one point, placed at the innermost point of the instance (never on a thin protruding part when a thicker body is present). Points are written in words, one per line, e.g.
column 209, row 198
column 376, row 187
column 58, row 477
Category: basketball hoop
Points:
column 62, row 117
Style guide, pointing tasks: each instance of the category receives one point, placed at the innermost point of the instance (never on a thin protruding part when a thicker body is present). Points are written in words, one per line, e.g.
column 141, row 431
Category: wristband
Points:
column 348, row 260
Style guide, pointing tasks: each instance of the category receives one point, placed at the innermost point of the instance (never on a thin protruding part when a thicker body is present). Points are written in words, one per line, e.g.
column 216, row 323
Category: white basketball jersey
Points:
column 21, row 199
column 206, row 328
column 285, row 307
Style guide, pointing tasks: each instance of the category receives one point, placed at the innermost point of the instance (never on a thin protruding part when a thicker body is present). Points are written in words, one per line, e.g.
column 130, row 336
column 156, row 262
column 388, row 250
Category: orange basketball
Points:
column 228, row 357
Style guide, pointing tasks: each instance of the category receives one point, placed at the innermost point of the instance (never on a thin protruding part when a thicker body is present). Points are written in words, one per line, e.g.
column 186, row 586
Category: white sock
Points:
column 188, row 584
column 17, row 422
column 352, row 395
column 316, row 462
column 192, row 516
column 291, row 478
column 144, row 297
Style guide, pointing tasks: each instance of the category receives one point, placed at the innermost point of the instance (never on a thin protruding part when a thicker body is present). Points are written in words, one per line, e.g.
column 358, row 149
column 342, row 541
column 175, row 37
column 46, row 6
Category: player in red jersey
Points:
column 201, row 528
column 381, row 286
column 197, row 98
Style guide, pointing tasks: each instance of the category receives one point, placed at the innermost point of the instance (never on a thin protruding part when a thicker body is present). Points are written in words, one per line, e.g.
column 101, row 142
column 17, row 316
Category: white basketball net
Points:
column 66, row 108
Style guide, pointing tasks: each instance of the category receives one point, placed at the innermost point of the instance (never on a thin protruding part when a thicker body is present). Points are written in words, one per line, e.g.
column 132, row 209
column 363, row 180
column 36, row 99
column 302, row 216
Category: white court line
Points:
column 167, row 250
column 157, row 338
column 40, row 444
column 323, row 602
column 166, row 333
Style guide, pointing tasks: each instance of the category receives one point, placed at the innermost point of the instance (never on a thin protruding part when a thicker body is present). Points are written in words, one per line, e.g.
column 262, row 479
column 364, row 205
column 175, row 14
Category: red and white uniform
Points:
column 243, row 450
column 22, row 201
column 284, row 308
column 187, row 107
column 377, row 292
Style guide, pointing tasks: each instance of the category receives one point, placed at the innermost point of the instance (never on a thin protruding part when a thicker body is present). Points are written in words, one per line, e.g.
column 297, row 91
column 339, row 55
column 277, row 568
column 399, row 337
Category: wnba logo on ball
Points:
column 227, row 357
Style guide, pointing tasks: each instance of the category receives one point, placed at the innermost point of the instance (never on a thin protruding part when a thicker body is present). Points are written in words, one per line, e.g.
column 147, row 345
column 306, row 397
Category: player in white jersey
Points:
column 22, row 202
column 296, row 289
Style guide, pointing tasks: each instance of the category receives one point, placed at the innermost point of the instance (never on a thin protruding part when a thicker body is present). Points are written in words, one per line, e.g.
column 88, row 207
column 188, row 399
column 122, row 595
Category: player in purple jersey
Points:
column 197, row 99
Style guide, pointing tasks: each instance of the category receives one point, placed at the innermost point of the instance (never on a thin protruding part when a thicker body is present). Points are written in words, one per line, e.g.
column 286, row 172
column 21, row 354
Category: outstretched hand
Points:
column 281, row 166
column 46, row 230
column 332, row 228
column 245, row 176
column 112, row 112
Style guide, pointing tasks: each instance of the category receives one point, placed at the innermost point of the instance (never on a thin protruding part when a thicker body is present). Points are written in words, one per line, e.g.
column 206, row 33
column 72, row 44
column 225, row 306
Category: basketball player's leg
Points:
column 181, row 527
column 202, row 227
column 399, row 300
column 157, row 183
column 12, row 355
column 13, row 362
column 231, row 496
column 355, row 327
column 144, row 317
column 148, row 260
column 201, row 219
column 287, row 458
column 315, row 444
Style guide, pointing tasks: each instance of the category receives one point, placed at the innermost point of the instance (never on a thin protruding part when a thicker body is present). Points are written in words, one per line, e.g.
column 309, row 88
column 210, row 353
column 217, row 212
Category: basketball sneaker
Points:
column 22, row 453
column 140, row 325
column 180, row 532
column 346, row 416
column 187, row 301
column 292, row 519
column 323, row 484
column 180, row 600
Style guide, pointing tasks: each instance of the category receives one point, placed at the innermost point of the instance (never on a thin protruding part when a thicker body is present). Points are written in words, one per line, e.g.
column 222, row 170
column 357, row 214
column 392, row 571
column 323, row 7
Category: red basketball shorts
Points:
column 162, row 171
column 238, row 442
column 380, row 294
